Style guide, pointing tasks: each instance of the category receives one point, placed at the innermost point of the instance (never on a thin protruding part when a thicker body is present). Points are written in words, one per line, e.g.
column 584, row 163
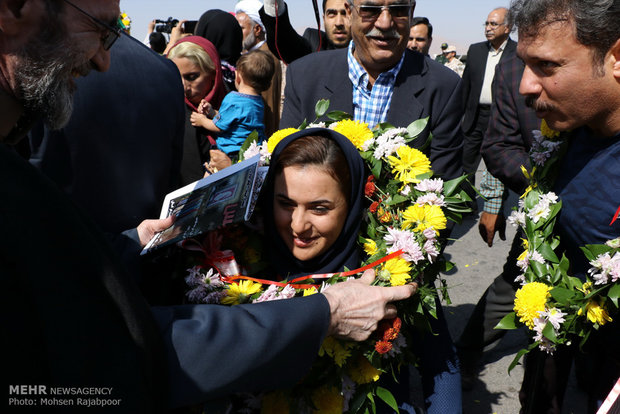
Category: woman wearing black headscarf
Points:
column 223, row 30
column 297, row 197
column 313, row 227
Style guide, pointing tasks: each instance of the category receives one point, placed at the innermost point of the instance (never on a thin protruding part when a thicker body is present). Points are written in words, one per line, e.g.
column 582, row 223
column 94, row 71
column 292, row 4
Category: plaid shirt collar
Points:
column 371, row 105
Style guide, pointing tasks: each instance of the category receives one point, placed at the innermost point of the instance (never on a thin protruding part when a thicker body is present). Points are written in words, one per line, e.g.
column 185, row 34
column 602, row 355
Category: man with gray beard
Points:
column 73, row 317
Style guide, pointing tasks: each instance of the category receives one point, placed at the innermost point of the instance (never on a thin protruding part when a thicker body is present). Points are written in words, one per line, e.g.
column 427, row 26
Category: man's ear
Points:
column 348, row 7
column 19, row 20
column 14, row 14
column 614, row 55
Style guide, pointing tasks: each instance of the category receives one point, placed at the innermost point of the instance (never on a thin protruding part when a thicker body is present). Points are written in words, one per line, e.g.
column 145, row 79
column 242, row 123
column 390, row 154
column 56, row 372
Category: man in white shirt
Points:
column 477, row 79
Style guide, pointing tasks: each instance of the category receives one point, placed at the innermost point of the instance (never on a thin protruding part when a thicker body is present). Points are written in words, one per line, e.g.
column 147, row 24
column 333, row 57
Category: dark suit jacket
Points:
column 120, row 153
column 423, row 88
column 473, row 77
column 73, row 317
column 290, row 45
column 508, row 139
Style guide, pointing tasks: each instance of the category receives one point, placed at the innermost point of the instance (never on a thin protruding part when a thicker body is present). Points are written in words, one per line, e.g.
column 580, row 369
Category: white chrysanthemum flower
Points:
column 615, row 243
column 389, row 142
column 549, row 198
column 316, row 125
column 539, row 211
column 431, row 199
column 554, row 316
column 253, row 150
column 430, row 184
column 367, row 144
column 537, row 257
column 404, row 240
column 516, row 218
column 520, row 279
column 406, row 190
column 348, row 391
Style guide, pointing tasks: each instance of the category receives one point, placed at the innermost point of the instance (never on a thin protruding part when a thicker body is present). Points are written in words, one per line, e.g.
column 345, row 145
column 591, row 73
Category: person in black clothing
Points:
column 286, row 44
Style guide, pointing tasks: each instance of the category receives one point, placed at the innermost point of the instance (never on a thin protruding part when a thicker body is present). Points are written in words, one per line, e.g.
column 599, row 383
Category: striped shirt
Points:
column 371, row 105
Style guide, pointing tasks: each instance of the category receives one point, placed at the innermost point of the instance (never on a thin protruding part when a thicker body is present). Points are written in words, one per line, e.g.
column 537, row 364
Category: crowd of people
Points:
column 87, row 159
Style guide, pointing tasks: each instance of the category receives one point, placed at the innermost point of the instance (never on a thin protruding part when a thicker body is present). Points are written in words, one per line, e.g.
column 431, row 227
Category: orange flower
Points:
column 383, row 347
column 374, row 206
column 385, row 217
column 370, row 187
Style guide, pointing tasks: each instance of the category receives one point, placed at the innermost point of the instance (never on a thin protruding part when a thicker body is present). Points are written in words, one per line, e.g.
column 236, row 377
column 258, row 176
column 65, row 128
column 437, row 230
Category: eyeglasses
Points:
column 112, row 32
column 397, row 11
column 492, row 24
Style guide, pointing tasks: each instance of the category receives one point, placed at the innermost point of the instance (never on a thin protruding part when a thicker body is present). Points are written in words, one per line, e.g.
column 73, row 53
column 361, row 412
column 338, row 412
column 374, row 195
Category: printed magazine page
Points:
column 226, row 197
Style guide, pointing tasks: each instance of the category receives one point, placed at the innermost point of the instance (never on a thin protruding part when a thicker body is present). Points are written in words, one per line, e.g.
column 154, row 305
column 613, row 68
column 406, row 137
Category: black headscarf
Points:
column 223, row 30
column 344, row 251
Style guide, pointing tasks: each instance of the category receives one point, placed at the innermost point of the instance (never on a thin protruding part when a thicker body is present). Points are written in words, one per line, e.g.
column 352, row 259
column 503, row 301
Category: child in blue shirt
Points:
column 241, row 112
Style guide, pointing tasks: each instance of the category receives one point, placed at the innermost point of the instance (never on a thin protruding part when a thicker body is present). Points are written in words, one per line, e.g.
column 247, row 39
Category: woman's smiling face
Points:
column 309, row 210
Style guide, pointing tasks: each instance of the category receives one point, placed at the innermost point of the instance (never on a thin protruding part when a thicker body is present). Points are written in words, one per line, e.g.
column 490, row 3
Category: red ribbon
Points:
column 615, row 216
column 231, row 279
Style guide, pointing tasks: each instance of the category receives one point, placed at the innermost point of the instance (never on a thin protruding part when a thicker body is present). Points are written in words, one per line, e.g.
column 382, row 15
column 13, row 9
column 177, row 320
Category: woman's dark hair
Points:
column 318, row 151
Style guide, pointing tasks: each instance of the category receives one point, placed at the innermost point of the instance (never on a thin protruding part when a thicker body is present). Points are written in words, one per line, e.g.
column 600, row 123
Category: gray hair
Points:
column 596, row 22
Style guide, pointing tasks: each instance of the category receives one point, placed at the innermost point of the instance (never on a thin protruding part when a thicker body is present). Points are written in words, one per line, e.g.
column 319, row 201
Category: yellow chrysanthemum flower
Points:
column 370, row 247
column 311, row 291
column 362, row 371
column 408, row 164
column 336, row 349
column 328, row 400
column 424, row 217
column 526, row 246
column 398, row 269
column 596, row 313
column 274, row 402
column 357, row 132
column 279, row 136
column 529, row 300
column 547, row 132
column 239, row 292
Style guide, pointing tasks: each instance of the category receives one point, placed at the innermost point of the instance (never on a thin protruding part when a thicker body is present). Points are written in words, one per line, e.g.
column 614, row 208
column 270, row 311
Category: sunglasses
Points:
column 397, row 11
column 112, row 33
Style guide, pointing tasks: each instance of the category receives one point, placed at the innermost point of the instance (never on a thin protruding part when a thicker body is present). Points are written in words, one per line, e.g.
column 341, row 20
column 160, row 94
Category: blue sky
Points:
column 456, row 22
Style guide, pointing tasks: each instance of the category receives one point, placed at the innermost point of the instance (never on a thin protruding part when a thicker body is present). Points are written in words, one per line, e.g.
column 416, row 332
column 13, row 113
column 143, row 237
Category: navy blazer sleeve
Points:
column 508, row 139
column 214, row 350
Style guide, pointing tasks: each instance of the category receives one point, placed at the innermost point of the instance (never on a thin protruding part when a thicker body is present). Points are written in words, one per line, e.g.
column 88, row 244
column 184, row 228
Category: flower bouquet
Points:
column 557, row 308
column 408, row 208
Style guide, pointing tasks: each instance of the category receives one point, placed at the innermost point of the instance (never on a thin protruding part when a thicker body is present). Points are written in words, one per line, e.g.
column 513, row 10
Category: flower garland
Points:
column 400, row 235
column 556, row 307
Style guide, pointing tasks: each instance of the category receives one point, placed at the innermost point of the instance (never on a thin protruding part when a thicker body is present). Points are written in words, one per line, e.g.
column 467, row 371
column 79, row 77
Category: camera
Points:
column 165, row 26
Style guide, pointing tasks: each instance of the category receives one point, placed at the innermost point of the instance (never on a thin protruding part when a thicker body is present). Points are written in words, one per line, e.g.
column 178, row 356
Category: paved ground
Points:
column 477, row 265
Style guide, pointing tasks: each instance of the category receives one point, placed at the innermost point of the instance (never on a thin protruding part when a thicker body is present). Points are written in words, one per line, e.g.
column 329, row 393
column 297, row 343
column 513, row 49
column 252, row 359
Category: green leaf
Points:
column 547, row 252
column 338, row 115
column 416, row 127
column 450, row 186
column 396, row 199
column 614, row 293
column 562, row 295
column 540, row 269
column 549, row 333
column 508, row 322
column 321, row 107
column 388, row 398
column 517, row 358
column 592, row 251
